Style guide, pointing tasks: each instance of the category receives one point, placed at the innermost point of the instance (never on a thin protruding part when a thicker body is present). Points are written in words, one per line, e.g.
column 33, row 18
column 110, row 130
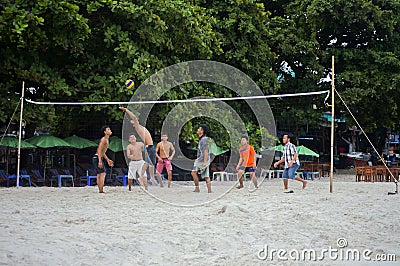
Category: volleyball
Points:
column 129, row 84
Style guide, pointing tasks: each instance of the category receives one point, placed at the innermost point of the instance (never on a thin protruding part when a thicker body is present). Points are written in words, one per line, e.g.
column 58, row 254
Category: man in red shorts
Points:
column 165, row 151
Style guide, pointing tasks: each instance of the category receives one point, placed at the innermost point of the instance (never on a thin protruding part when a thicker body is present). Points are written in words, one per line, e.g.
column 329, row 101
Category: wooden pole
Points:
column 332, row 123
column 20, row 132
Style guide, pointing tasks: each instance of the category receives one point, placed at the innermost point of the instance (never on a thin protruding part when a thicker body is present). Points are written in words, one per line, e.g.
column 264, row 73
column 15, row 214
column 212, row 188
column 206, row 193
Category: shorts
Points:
column 203, row 171
column 165, row 163
column 290, row 172
column 95, row 162
column 150, row 157
column 247, row 169
column 135, row 167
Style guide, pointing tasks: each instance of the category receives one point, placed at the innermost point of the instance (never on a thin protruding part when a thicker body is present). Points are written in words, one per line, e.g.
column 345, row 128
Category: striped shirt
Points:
column 288, row 153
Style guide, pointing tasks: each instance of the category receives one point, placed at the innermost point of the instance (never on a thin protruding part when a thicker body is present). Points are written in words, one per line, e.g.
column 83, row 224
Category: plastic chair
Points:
column 39, row 177
column 56, row 175
column 90, row 174
column 266, row 172
column 121, row 175
column 220, row 176
column 22, row 175
column 3, row 176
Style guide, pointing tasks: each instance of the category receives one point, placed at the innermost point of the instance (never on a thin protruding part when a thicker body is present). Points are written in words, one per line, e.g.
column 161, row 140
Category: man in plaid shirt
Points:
column 292, row 163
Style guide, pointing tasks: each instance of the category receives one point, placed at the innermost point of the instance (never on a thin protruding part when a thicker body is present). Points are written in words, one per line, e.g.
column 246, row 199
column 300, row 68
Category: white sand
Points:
column 78, row 226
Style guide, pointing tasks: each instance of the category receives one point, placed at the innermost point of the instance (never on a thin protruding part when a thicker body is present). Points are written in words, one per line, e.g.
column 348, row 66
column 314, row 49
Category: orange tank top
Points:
column 247, row 155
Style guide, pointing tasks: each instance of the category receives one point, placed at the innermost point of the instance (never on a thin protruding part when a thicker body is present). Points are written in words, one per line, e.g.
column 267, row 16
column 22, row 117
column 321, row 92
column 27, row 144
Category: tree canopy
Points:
column 85, row 50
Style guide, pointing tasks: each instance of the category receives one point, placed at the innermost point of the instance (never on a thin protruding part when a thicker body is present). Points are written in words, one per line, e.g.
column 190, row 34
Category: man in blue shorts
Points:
column 247, row 162
column 291, row 159
column 150, row 156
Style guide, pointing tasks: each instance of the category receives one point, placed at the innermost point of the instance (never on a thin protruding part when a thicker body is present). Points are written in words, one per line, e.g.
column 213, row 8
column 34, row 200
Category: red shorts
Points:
column 165, row 163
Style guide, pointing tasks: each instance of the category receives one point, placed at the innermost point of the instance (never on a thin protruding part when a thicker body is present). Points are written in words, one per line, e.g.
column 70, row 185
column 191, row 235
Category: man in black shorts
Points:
column 100, row 158
column 144, row 134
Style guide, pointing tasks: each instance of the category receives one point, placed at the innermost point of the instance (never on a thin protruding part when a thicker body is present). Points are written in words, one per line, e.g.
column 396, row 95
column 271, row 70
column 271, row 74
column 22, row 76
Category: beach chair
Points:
column 120, row 175
column 3, row 176
column 22, row 175
column 109, row 178
column 68, row 172
column 90, row 175
column 55, row 175
column 39, row 177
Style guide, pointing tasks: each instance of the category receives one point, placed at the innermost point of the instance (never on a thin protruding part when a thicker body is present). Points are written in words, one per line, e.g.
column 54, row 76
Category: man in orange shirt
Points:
column 247, row 162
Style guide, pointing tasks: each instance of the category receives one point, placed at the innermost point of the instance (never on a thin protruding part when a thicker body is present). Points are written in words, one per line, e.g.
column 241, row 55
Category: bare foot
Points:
column 304, row 184
column 196, row 189
column 239, row 187
column 153, row 181
column 101, row 191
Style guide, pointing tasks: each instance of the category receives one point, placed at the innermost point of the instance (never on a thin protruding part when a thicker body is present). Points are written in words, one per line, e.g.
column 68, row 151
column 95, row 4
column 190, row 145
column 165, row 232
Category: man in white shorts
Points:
column 137, row 165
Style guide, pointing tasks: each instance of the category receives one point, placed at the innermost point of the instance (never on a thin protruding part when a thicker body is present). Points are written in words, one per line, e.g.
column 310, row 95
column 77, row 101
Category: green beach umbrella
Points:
column 80, row 143
column 303, row 150
column 48, row 141
column 215, row 149
column 116, row 144
column 212, row 146
column 276, row 148
column 12, row 142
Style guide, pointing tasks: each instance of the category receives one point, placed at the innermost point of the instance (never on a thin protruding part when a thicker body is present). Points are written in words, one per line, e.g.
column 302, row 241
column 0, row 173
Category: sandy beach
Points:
column 78, row 226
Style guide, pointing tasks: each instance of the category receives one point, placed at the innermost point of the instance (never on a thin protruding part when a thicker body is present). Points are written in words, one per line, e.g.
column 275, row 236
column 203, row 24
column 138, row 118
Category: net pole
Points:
column 20, row 132
column 332, row 124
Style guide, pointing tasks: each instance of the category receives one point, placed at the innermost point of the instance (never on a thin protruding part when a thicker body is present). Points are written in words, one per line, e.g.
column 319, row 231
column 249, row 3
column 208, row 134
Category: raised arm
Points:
column 141, row 130
column 131, row 115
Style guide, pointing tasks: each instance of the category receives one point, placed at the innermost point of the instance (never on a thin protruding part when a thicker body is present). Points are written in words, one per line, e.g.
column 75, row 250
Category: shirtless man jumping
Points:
column 137, row 165
column 100, row 156
column 145, row 135
column 164, row 147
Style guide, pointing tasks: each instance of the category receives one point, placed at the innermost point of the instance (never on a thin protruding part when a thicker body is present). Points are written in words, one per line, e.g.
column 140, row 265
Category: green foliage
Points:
column 85, row 50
